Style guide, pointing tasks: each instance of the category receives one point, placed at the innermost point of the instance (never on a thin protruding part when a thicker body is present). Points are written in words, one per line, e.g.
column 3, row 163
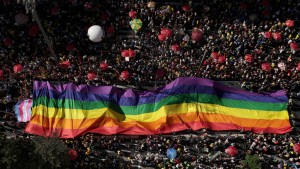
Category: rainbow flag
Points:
column 70, row 110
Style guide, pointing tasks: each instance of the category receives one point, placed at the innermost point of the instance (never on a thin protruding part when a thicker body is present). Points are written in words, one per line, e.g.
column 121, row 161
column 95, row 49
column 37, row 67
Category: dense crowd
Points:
column 233, row 29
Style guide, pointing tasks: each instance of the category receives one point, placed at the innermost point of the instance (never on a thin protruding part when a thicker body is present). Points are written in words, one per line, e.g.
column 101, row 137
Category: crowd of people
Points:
column 234, row 30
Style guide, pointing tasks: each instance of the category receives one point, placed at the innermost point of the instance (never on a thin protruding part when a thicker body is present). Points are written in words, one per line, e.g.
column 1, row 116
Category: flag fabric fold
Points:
column 23, row 110
column 69, row 110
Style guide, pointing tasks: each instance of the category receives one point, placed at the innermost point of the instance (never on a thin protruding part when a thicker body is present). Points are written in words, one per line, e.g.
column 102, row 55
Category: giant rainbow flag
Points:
column 69, row 110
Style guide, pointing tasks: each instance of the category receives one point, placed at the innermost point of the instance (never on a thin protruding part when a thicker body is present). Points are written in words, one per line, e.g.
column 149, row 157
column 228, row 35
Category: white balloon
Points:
column 95, row 33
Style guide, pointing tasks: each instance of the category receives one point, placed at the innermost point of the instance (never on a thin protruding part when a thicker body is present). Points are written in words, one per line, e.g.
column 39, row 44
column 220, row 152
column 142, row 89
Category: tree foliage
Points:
column 252, row 162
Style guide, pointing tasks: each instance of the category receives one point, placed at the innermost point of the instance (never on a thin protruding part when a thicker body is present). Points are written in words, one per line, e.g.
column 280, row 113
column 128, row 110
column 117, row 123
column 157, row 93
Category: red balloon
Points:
column 124, row 75
column 296, row 148
column 162, row 37
column 294, row 46
column 231, row 150
column 186, row 8
column 18, row 68
column 103, row 66
column 125, row 53
column 91, row 75
column 222, row 59
column 131, row 53
column 266, row 67
column 277, row 36
column 289, row 23
column 65, row 64
column 215, row 55
column 72, row 154
column 175, row 47
column 159, row 73
column 268, row 35
column 132, row 14
column 248, row 58
column 1, row 73
column 197, row 35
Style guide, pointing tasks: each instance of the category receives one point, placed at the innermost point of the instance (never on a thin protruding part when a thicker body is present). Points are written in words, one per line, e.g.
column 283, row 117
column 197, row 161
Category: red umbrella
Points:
column 159, row 73
column 124, row 75
column 103, row 66
column 131, row 53
column 70, row 47
column 162, row 37
column 7, row 42
column 197, row 35
column 266, row 67
column 110, row 29
column 215, row 55
column 268, row 35
column 1, row 73
column 186, row 8
column 34, row 30
column 125, row 53
column 91, row 75
column 289, row 23
column 175, row 47
column 65, row 64
column 18, row 68
column 294, row 46
column 296, row 148
column 72, row 154
column 222, row 59
column 248, row 58
column 132, row 14
column 54, row 10
column 277, row 36
column 231, row 150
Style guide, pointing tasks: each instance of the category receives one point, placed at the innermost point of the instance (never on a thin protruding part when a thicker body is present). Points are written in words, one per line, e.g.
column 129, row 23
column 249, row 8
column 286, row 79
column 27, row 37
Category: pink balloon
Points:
column 197, row 35
column 124, row 75
column 18, row 68
column 266, row 67
column 162, row 37
column 125, row 53
column 132, row 14
column 103, row 66
column 175, row 47
column 294, row 46
column 65, row 64
column 91, row 75
column 72, row 154
column 289, row 23
column 296, row 148
column 268, row 35
column 248, row 58
column 231, row 150
column 131, row 53
column 222, row 59
column 215, row 55
column 277, row 36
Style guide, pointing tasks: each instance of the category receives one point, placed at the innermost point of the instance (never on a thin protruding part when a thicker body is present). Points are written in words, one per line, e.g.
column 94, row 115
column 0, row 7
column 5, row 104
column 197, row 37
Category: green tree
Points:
column 53, row 153
column 252, row 162
column 18, row 154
